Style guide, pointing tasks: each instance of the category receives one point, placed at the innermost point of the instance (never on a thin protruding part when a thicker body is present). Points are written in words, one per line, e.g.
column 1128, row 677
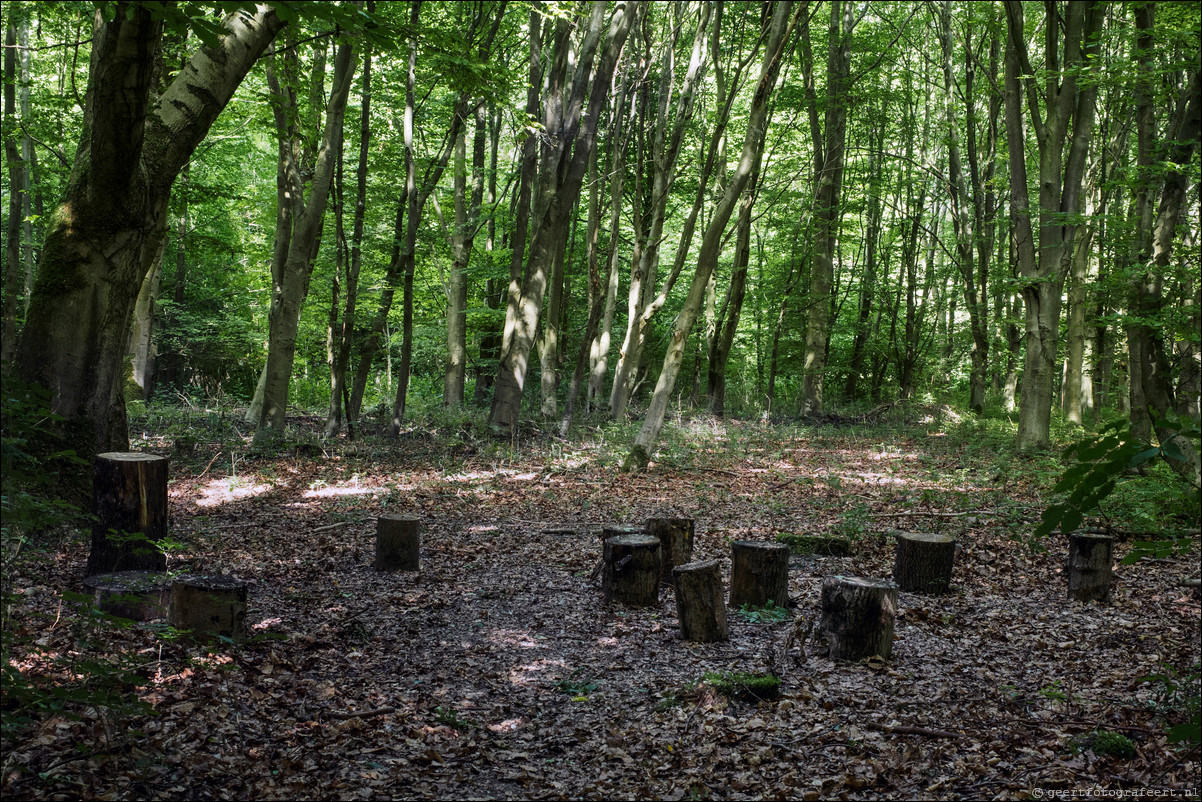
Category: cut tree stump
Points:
column 857, row 617
column 209, row 604
column 398, row 543
column 676, row 543
column 759, row 573
column 924, row 562
column 630, row 572
column 1090, row 566
column 136, row 595
column 700, row 601
column 130, row 503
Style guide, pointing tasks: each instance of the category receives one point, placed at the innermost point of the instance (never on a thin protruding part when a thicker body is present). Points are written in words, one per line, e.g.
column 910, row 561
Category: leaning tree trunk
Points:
column 102, row 239
column 711, row 243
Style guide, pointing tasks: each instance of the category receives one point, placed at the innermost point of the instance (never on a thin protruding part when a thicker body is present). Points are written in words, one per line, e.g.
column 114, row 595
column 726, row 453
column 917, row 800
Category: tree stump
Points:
column 130, row 502
column 700, row 601
column 136, row 595
column 209, row 604
column 630, row 572
column 759, row 573
column 1090, row 566
column 924, row 562
column 398, row 543
column 676, row 543
column 857, row 617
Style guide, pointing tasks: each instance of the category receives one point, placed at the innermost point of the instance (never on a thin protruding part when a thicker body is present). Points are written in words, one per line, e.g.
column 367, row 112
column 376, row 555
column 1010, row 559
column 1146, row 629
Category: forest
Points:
column 727, row 399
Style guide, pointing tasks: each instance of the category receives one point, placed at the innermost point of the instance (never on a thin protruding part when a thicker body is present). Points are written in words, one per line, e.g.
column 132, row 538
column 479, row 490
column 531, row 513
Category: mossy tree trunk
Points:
column 102, row 239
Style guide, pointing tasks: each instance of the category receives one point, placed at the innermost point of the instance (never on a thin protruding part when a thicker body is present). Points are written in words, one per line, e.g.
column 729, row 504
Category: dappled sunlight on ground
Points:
column 223, row 491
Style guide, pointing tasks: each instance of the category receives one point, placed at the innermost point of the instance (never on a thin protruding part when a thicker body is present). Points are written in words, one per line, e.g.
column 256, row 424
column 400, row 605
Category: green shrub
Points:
column 744, row 687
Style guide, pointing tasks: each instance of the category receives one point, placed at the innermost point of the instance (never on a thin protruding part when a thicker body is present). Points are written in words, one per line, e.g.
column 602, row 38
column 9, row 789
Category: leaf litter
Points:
column 496, row 672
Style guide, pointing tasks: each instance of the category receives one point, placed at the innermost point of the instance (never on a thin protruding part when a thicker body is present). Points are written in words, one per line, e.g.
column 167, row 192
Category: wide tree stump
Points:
column 759, row 573
column 924, row 562
column 700, row 601
column 630, row 570
column 209, row 604
column 136, row 595
column 676, row 543
column 130, row 504
column 1090, row 566
column 857, row 617
column 398, row 543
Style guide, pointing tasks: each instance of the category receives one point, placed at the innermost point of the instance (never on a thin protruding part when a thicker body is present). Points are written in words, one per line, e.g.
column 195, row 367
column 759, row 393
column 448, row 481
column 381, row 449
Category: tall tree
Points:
column 106, row 231
column 571, row 137
column 778, row 27
column 302, row 237
column 829, row 142
column 1065, row 117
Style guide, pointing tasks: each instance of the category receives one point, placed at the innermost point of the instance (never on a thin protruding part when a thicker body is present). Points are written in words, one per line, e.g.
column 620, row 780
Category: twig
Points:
column 379, row 711
column 905, row 729
column 330, row 526
column 210, row 465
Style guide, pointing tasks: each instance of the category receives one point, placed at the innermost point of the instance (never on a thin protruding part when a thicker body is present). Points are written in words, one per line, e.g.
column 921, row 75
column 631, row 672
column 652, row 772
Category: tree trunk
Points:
column 857, row 617
column 1069, row 119
column 631, row 570
column 828, row 167
column 101, row 241
column 700, row 602
column 924, row 562
column 16, row 198
column 676, row 538
column 308, row 218
column 711, row 243
column 1090, row 567
column 209, row 604
column 563, row 173
column 759, row 574
column 346, row 332
column 398, row 543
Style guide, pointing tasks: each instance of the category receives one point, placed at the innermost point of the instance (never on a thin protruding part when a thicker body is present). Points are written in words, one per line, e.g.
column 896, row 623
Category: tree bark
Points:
column 700, row 602
column 759, row 574
column 563, row 172
column 308, row 218
column 830, row 143
column 1069, row 101
column 857, row 617
column 130, row 505
column 16, row 198
column 711, row 243
column 102, row 238
column 924, row 562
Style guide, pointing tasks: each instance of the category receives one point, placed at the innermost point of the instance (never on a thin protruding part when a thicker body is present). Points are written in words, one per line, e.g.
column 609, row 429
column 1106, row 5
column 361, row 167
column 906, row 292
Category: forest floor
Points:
column 496, row 672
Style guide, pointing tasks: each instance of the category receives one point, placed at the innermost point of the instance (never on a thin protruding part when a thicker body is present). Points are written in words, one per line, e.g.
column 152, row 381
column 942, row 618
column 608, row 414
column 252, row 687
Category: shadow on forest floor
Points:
column 496, row 671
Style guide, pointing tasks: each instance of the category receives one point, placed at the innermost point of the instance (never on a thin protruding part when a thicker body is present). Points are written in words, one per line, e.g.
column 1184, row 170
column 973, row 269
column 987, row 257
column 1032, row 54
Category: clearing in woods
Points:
column 496, row 672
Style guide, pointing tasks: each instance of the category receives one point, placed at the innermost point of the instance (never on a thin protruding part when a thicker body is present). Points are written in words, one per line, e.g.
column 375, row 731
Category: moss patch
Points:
column 823, row 545
column 744, row 687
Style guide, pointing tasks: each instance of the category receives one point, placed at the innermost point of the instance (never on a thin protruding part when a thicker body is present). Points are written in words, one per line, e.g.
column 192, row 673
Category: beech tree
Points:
column 106, row 231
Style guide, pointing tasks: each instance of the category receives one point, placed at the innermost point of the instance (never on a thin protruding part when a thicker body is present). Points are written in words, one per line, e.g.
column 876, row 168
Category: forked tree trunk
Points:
column 101, row 241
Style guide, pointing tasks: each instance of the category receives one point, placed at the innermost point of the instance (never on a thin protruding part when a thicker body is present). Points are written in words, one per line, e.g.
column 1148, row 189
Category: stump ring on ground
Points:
column 924, row 562
column 1090, row 566
column 701, row 601
column 759, row 573
column 209, row 604
column 398, row 543
column 136, row 595
column 857, row 617
column 630, row 570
